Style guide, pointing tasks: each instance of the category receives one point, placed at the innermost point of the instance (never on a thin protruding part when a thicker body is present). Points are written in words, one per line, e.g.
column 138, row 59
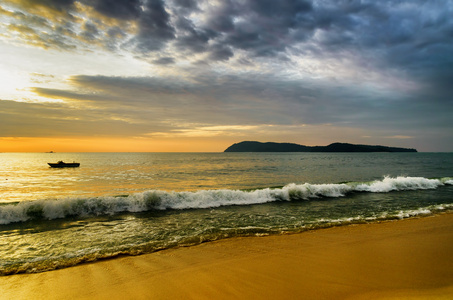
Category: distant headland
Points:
column 248, row 146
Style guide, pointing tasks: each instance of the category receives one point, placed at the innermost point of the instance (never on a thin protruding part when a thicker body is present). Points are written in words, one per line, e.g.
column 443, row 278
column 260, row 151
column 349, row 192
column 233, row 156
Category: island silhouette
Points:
column 252, row 146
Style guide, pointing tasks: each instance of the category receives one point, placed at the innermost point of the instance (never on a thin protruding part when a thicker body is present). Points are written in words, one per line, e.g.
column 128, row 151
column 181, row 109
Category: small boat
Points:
column 62, row 164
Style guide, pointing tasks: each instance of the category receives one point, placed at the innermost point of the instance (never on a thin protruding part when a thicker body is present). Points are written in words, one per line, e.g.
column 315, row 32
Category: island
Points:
column 252, row 146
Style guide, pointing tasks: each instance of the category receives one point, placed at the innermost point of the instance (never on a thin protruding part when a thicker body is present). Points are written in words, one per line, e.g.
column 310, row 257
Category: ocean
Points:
column 133, row 203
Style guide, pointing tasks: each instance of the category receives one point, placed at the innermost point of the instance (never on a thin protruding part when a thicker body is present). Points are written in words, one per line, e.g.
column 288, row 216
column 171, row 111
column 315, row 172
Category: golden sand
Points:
column 408, row 259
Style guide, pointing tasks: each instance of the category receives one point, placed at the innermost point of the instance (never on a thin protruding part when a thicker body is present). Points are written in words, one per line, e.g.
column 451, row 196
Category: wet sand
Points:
column 407, row 259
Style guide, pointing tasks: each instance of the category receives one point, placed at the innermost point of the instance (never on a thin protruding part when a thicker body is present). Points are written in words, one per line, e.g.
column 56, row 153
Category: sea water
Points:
column 132, row 203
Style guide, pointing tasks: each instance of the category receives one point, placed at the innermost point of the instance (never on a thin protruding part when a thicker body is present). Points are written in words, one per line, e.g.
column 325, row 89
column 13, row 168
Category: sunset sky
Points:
column 187, row 75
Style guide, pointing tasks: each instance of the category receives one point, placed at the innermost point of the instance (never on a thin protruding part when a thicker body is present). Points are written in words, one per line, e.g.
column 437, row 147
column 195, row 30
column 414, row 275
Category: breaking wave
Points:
column 162, row 200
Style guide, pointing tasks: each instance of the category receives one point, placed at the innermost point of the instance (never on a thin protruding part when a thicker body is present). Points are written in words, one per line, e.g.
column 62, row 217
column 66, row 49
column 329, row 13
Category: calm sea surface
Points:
column 132, row 203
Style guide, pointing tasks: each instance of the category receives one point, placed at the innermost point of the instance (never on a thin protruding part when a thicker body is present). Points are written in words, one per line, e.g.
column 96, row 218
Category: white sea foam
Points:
column 399, row 183
column 448, row 181
column 161, row 200
column 413, row 213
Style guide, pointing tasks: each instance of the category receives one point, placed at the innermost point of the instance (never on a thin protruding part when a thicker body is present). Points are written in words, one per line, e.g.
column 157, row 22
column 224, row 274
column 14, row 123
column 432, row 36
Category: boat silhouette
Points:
column 62, row 164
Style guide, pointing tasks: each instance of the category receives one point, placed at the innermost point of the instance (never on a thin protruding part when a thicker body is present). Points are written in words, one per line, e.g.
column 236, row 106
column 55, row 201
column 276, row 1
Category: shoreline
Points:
column 409, row 258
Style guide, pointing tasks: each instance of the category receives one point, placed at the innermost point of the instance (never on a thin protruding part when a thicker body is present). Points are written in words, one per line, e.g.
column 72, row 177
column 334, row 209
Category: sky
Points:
column 197, row 76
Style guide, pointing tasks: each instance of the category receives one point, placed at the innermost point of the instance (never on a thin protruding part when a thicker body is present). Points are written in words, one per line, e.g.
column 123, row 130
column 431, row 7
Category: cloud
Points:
column 215, row 99
column 154, row 25
column 190, row 5
column 369, row 64
column 90, row 31
column 387, row 34
column 118, row 9
column 54, row 5
column 191, row 38
column 65, row 119
column 164, row 61
column 266, row 28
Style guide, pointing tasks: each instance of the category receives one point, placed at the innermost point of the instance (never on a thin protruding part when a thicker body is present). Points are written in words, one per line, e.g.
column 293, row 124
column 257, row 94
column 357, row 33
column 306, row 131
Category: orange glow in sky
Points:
column 92, row 144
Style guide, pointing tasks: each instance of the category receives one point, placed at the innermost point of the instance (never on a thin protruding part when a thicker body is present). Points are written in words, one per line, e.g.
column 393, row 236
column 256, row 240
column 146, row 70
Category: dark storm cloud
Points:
column 191, row 38
column 220, row 52
column 120, row 9
column 187, row 4
column 412, row 35
column 155, row 29
column 264, row 27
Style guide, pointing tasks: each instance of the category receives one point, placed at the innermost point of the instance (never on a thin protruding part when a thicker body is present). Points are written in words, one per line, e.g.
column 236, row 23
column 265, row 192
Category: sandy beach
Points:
column 406, row 259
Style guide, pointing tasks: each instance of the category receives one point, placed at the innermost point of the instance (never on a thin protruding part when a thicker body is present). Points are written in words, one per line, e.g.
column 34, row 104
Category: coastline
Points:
column 408, row 259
